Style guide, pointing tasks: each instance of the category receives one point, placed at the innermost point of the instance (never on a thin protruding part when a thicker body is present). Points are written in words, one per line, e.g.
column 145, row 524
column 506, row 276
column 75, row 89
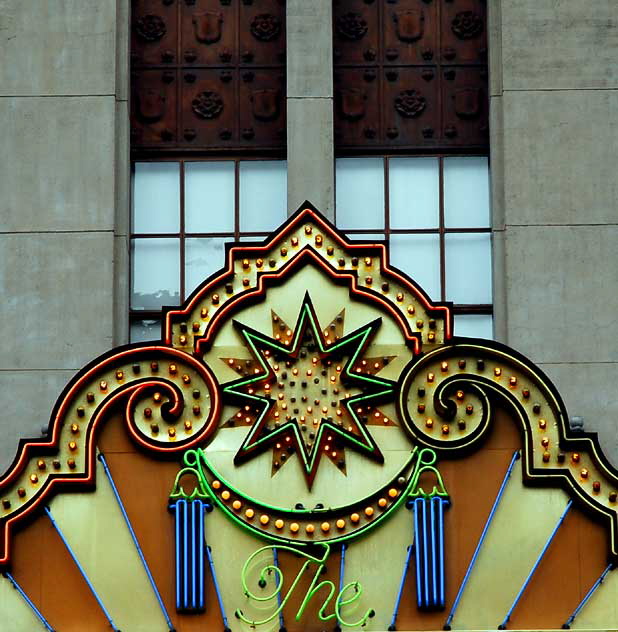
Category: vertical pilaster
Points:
column 310, row 105
column 554, row 195
column 64, row 203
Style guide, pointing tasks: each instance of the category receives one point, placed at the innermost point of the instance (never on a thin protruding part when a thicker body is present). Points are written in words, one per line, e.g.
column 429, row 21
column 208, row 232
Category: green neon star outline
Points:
column 357, row 340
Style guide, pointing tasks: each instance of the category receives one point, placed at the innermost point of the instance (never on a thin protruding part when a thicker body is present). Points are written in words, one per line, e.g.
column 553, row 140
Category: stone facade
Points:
column 554, row 104
column 64, row 207
column 65, row 172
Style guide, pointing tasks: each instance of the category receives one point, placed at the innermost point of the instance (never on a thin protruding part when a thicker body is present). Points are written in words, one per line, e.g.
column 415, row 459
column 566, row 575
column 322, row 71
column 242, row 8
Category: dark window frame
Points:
column 182, row 235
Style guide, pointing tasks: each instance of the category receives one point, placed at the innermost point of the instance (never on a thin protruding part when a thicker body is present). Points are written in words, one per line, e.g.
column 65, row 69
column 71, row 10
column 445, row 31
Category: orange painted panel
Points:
column 573, row 562
column 48, row 575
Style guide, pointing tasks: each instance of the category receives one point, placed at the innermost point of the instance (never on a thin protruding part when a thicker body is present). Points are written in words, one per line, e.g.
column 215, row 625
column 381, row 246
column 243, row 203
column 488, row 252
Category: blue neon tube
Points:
column 475, row 555
column 81, row 570
column 502, row 626
column 27, row 599
column 589, row 594
column 135, row 541
column 418, row 553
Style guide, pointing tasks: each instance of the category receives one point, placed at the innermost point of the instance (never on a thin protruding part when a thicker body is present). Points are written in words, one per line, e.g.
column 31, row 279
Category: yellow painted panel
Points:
column 15, row 614
column 377, row 567
column 602, row 609
column 231, row 547
column 523, row 522
column 331, row 486
column 377, row 563
column 94, row 527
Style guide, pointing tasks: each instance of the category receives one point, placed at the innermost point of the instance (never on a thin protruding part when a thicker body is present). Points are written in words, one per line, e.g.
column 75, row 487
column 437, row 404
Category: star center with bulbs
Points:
column 308, row 392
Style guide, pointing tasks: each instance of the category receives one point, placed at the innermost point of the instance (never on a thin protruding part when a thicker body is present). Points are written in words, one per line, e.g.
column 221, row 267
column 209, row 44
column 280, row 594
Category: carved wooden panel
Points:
column 410, row 74
column 357, row 105
column 208, row 74
column 414, row 113
column 154, row 107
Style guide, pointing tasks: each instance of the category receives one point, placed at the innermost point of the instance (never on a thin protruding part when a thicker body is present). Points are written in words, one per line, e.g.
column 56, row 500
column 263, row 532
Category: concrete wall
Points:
column 310, row 105
column 554, row 104
column 64, row 202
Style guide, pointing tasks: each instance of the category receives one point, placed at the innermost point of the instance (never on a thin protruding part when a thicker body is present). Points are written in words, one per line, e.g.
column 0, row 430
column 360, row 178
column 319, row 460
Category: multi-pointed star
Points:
column 308, row 391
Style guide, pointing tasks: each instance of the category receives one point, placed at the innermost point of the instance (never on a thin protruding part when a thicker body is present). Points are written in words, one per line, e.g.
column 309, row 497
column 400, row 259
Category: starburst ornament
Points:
column 308, row 391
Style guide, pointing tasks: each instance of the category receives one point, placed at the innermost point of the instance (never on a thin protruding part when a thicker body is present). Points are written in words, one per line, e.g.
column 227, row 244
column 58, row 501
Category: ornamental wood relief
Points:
column 207, row 74
column 410, row 74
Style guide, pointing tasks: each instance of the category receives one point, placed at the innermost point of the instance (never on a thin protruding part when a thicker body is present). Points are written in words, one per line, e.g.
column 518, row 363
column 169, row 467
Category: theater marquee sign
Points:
column 309, row 447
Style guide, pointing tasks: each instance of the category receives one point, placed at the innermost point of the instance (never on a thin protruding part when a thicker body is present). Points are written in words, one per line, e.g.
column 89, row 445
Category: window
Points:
column 434, row 212
column 184, row 211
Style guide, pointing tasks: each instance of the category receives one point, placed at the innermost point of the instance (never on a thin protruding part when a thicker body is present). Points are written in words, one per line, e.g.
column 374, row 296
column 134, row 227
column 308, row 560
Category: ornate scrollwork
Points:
column 265, row 27
column 351, row 26
column 150, row 28
column 447, row 399
column 410, row 103
column 170, row 403
column 207, row 104
column 467, row 25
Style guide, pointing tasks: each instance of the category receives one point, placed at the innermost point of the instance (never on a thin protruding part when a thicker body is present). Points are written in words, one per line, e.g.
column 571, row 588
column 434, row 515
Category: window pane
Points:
column 360, row 192
column 468, row 268
column 254, row 239
column 414, row 192
column 156, row 273
column 143, row 330
column 209, row 197
column 156, row 197
column 466, row 192
column 263, row 195
column 474, row 325
column 366, row 237
column 202, row 257
column 419, row 256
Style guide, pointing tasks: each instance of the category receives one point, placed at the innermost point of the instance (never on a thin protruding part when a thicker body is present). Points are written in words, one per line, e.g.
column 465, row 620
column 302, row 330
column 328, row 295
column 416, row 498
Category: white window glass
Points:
column 263, row 195
column 414, row 192
column 419, row 257
column 209, row 197
column 254, row 239
column 143, row 330
column 156, row 273
column 203, row 257
column 474, row 325
column 366, row 237
column 466, row 192
column 468, row 268
column 156, row 197
column 360, row 193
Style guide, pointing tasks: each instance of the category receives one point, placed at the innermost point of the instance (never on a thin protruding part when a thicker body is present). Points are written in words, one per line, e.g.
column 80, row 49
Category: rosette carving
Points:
column 410, row 103
column 265, row 27
column 467, row 25
column 207, row 104
column 351, row 26
column 150, row 28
